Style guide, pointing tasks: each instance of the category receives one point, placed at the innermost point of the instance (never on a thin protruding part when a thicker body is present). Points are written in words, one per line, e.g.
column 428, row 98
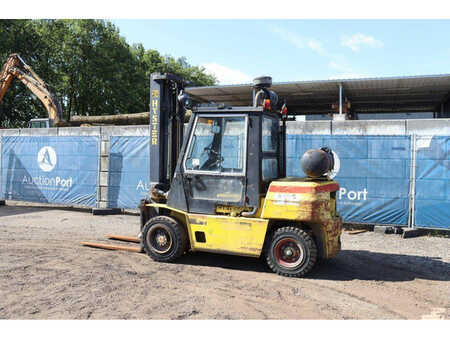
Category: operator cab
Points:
column 39, row 123
column 230, row 156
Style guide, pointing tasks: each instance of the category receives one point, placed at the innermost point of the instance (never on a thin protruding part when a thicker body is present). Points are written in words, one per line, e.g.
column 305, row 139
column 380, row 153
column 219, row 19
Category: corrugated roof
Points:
column 383, row 94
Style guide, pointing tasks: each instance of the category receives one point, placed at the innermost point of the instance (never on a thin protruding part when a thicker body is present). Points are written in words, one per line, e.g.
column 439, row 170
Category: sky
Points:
column 236, row 51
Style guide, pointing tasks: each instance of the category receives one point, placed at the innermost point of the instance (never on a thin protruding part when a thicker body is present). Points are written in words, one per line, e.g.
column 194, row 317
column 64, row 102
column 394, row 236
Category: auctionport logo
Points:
column 46, row 159
column 352, row 195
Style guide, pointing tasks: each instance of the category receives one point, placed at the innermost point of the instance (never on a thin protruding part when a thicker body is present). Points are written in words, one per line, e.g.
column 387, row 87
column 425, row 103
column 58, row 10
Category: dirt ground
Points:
column 46, row 274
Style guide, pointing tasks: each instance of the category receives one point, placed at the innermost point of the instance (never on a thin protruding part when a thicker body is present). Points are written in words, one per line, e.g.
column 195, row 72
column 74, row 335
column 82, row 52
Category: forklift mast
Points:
column 167, row 102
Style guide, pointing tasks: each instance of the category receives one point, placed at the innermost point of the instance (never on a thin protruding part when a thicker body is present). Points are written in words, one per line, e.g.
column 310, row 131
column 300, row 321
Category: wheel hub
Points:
column 289, row 253
column 161, row 240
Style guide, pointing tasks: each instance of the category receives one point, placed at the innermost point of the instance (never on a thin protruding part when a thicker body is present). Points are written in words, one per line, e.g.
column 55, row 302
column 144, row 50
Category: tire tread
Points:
column 310, row 246
column 180, row 239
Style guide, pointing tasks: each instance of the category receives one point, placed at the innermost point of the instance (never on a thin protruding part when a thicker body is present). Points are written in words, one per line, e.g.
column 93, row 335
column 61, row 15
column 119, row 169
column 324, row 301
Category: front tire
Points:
column 164, row 239
column 291, row 252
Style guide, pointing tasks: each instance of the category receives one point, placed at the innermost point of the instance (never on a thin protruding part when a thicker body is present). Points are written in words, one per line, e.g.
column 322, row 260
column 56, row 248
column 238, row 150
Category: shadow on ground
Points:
column 378, row 266
column 348, row 265
column 7, row 210
column 224, row 261
column 12, row 210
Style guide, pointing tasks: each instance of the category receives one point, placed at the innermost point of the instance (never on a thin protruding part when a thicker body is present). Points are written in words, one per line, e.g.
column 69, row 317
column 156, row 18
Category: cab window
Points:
column 270, row 141
column 217, row 145
column 270, row 133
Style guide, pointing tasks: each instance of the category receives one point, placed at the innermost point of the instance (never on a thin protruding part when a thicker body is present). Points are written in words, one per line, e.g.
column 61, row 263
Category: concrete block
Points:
column 398, row 230
column 411, row 233
column 39, row 132
column 103, row 178
column 104, row 194
column 339, row 117
column 79, row 131
column 9, row 132
column 104, row 163
column 106, row 211
column 104, row 147
column 102, row 205
column 369, row 127
column 428, row 127
column 141, row 130
column 382, row 229
column 308, row 127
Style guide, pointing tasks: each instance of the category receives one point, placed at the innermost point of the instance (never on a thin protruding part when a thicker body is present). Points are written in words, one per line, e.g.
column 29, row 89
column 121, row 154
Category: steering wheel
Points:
column 214, row 159
column 211, row 151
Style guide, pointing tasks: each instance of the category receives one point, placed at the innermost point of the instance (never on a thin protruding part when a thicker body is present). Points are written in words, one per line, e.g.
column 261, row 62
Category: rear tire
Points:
column 164, row 239
column 291, row 252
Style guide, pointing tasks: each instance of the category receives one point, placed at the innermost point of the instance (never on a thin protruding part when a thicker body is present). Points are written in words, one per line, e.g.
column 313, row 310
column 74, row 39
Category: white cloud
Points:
column 316, row 46
column 298, row 41
column 290, row 37
column 340, row 67
column 356, row 41
column 226, row 75
column 344, row 71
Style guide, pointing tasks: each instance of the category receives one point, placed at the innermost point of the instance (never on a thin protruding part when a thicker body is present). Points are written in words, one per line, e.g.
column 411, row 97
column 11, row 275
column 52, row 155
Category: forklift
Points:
column 223, row 187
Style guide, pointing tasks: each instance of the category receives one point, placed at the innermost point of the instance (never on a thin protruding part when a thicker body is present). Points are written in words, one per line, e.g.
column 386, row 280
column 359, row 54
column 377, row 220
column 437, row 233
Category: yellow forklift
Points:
column 223, row 187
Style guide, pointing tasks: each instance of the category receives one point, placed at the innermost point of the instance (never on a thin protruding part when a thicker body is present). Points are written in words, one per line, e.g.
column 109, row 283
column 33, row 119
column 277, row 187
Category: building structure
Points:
column 407, row 97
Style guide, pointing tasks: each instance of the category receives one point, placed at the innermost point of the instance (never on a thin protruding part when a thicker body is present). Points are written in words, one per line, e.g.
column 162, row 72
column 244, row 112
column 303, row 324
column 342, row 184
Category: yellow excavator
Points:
column 15, row 67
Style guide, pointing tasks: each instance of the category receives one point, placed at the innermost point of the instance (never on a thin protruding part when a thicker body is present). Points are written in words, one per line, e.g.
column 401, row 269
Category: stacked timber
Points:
column 120, row 119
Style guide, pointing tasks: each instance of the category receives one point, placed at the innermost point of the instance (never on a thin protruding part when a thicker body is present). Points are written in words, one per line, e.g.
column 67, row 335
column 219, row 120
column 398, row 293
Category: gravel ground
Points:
column 46, row 274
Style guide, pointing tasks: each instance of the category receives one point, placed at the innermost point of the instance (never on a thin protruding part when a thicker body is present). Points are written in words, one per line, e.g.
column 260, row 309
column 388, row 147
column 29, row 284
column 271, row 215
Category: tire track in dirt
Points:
column 413, row 293
column 45, row 273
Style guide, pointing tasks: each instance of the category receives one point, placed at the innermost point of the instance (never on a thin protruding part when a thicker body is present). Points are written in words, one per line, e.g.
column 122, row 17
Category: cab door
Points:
column 215, row 163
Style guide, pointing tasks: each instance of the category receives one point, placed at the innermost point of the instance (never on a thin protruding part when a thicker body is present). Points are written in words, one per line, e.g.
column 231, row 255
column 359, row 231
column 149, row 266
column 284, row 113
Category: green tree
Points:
column 87, row 64
column 18, row 106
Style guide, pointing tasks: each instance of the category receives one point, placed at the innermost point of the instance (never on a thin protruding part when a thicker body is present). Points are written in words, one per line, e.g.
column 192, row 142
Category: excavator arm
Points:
column 6, row 76
column 15, row 67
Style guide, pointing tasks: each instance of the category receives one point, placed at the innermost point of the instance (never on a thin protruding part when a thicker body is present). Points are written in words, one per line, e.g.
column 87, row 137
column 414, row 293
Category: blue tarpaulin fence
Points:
column 374, row 174
column 432, row 186
column 48, row 169
column 129, row 167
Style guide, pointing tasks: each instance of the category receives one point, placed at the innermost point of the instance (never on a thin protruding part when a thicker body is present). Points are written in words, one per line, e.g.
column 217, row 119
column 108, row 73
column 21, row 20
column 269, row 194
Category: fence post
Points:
column 103, row 178
column 412, row 185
